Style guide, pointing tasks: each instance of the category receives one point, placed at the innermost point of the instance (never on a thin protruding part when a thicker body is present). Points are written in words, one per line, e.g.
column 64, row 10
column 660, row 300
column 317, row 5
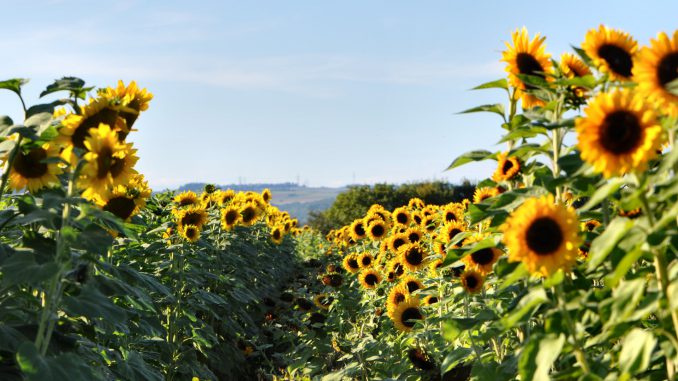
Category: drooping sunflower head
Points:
column 543, row 235
column 406, row 315
column 413, row 256
column 526, row 57
column 323, row 301
column 249, row 213
column 365, row 260
column 358, row 230
column 194, row 215
column 507, row 168
column 397, row 241
column 230, row 216
column 572, row 67
column 420, row 359
column 619, row 133
column 482, row 194
column 186, row 198
column 412, row 283
column 401, row 216
column 612, row 51
column 369, row 278
column 590, row 225
column 266, row 195
column 132, row 100
column 377, row 230
column 397, row 295
column 657, row 67
column 29, row 169
column 351, row 263
column 472, row 281
column 190, row 233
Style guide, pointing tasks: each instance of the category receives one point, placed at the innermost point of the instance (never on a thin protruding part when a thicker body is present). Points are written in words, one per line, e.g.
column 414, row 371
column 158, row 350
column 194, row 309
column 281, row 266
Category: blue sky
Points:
column 331, row 93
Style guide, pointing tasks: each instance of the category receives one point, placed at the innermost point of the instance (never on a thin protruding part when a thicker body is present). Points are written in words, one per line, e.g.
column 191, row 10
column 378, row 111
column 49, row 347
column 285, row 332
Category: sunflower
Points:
column 612, row 51
column 405, row 315
column 414, row 235
column 573, row 67
column 225, row 197
column 440, row 248
column 194, row 215
column 190, row 232
column 208, row 200
column 126, row 201
column 230, row 216
column 249, row 213
column 412, row 283
column 453, row 212
column 543, row 235
column 132, row 100
column 376, row 230
column 526, row 57
column 619, row 134
column 589, row 225
column 365, row 260
column 472, row 281
column 108, row 162
column 30, row 171
column 420, row 359
column 434, row 268
column 413, row 256
column 481, row 194
column 430, row 223
column 655, row 68
column 397, row 295
column 451, row 230
column 415, row 203
column 323, row 301
column 266, row 195
column 358, row 230
column 277, row 235
column 76, row 128
column 396, row 267
column 507, row 168
column 186, row 198
column 351, row 264
column 430, row 299
column 369, row 278
column 401, row 216
column 397, row 241
column 483, row 259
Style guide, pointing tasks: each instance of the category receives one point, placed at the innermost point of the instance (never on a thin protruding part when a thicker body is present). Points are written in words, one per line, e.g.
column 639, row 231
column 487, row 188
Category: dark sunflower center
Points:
column 410, row 314
column 377, row 230
column 529, row 65
column 401, row 218
column 231, row 217
column 131, row 117
column 105, row 116
column 399, row 298
column 248, row 214
column 359, row 230
column 620, row 132
column 414, row 237
column 618, row 59
column 391, row 276
column 120, row 206
column 191, row 233
column 667, row 70
column 412, row 286
column 186, row 201
column 471, row 282
column 371, row 279
column 483, row 256
column 449, row 217
column 366, row 261
column 352, row 263
column 191, row 218
column 414, row 256
column 104, row 162
column 507, row 166
column 544, row 236
column 453, row 233
column 433, row 300
column 276, row 234
column 417, row 220
column 398, row 242
column 29, row 165
column 398, row 269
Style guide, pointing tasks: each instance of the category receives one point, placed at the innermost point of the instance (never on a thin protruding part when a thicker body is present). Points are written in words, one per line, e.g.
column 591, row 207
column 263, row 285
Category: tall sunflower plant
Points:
column 587, row 286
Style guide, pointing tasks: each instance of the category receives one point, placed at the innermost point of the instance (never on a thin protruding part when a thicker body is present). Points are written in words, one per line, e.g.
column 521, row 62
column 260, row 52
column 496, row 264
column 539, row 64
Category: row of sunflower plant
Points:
column 563, row 266
column 100, row 279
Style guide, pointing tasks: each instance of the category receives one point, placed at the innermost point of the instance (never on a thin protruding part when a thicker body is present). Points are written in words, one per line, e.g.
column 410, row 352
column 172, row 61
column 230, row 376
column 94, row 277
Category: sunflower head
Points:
column 526, row 57
column 396, row 267
column 396, row 295
column 358, row 230
column 186, row 198
column 472, row 281
column 507, row 168
column 190, row 233
column 365, row 260
column 194, row 215
column 612, row 51
column 397, row 241
column 481, row 260
column 414, row 235
column 451, row 230
column 29, row 169
column 266, row 195
column 351, row 263
column 277, row 235
column 230, row 216
column 655, row 68
column 413, row 256
column 323, row 301
column 420, row 359
column 377, row 230
column 619, row 133
column 589, row 225
column 249, row 213
column 132, row 100
column 415, row 203
column 406, row 315
column 369, row 278
column 453, row 212
column 401, row 216
column 412, row 283
column 543, row 235
column 482, row 194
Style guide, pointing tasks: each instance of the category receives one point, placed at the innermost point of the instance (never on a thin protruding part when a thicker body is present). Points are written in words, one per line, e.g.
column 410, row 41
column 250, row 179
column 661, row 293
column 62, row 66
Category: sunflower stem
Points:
column 578, row 352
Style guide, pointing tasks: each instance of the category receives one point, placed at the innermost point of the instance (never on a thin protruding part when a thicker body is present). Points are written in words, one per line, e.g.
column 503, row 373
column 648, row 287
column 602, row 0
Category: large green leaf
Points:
column 66, row 367
column 498, row 84
column 539, row 355
column 528, row 304
column 603, row 192
column 75, row 85
column 604, row 243
column 22, row 268
column 468, row 157
column 636, row 351
column 92, row 304
column 14, row 84
column 496, row 108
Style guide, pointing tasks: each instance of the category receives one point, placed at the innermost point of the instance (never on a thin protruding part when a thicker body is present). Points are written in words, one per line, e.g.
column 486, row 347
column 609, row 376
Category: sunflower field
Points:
column 562, row 266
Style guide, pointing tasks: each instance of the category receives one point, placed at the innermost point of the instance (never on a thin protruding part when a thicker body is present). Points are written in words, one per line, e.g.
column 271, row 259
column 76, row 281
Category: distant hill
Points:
column 298, row 200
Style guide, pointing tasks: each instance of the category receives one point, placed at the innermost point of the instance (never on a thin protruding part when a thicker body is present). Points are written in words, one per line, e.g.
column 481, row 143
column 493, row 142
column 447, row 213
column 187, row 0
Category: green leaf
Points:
column 22, row 268
column 528, row 304
column 456, row 356
column 604, row 243
column 603, row 192
column 67, row 367
column 92, row 304
column 538, row 356
column 496, row 108
column 498, row 84
column 5, row 122
column 47, row 107
column 636, row 351
column 14, row 84
column 624, row 301
column 623, row 267
column 519, row 272
column 75, row 85
column 468, row 157
column 672, row 87
column 39, row 121
column 453, row 328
